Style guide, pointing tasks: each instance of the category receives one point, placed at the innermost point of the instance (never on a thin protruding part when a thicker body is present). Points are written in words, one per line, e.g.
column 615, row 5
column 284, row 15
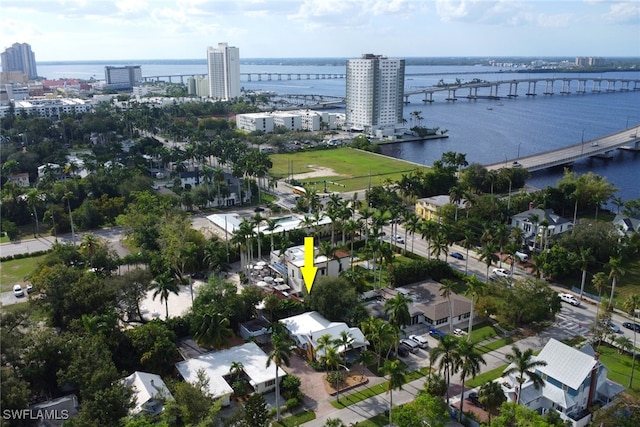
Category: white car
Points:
column 17, row 291
column 411, row 345
column 459, row 332
column 570, row 299
column 422, row 341
column 501, row 272
column 399, row 239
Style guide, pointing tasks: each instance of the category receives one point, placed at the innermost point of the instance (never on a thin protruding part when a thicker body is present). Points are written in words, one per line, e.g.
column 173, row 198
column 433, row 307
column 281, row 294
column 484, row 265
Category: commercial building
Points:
column 19, row 57
column 122, row 77
column 198, row 86
column 291, row 120
column 224, row 72
column 375, row 90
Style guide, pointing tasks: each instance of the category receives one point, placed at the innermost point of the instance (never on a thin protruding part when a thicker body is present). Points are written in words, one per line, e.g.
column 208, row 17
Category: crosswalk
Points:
column 571, row 326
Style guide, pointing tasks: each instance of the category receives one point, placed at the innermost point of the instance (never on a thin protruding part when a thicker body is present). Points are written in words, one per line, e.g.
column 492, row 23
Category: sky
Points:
column 77, row 30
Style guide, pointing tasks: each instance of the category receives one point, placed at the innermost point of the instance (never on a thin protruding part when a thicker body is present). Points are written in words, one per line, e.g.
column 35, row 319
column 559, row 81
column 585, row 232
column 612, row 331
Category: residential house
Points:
column 20, row 179
column 306, row 328
column 540, row 226
column 149, row 392
column 626, row 225
column 216, row 366
column 574, row 381
column 55, row 412
column 294, row 260
column 429, row 307
column 428, row 207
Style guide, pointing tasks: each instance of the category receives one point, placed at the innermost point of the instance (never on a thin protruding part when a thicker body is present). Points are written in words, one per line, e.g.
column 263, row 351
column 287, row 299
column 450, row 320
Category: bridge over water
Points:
column 628, row 139
column 478, row 89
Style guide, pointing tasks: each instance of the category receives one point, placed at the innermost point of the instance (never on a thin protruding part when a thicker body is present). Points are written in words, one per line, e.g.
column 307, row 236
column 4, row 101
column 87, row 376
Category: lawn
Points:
column 483, row 332
column 485, row 377
column 354, row 169
column 380, row 420
column 16, row 270
column 296, row 419
column 619, row 366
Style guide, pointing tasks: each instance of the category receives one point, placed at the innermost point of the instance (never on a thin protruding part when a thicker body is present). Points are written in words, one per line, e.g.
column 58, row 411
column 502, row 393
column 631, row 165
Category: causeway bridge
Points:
column 628, row 139
column 479, row 89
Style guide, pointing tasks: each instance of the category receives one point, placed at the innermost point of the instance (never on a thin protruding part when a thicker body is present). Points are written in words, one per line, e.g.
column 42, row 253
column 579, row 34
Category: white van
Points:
column 411, row 345
column 522, row 256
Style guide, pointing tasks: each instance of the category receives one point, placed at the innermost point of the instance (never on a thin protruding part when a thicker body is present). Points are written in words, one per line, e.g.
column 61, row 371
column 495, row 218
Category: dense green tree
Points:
column 336, row 300
column 424, row 410
column 154, row 346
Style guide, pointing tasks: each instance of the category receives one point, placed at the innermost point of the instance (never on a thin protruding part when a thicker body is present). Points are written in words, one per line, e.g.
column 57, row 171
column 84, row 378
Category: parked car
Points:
column 402, row 352
column 632, row 326
column 568, row 298
column 437, row 334
column 459, row 332
column 17, row 291
column 522, row 256
column 473, row 398
column 411, row 345
column 457, row 255
column 501, row 272
column 422, row 341
column 29, row 288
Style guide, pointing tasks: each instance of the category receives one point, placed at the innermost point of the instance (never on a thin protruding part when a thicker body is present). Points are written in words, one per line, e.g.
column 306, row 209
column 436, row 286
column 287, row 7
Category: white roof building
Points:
column 149, row 392
column 306, row 328
column 574, row 381
column 216, row 365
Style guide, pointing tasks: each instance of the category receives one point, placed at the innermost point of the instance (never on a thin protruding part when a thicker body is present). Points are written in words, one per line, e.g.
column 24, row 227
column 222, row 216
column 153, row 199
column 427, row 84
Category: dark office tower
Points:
column 19, row 57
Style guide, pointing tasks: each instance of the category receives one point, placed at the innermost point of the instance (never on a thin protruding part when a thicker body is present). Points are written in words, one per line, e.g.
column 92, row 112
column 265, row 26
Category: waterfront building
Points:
column 19, row 57
column 291, row 120
column 198, row 86
column 122, row 77
column 224, row 72
column 48, row 108
column 374, row 94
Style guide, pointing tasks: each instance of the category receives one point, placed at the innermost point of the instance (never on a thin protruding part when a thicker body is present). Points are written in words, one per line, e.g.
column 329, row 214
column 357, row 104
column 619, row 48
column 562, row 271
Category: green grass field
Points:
column 353, row 169
column 16, row 270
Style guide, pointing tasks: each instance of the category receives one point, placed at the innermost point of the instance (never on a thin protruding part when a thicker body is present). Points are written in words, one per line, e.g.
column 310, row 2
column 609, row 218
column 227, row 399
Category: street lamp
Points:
column 338, row 381
column 519, row 150
column 582, row 142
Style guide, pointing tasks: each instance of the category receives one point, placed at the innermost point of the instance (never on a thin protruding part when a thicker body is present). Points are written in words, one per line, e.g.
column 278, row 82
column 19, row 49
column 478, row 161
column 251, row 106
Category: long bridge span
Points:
column 628, row 139
column 480, row 89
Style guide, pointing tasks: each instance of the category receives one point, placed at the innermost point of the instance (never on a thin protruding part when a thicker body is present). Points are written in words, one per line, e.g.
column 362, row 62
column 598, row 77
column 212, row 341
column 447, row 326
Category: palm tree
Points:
column 279, row 355
column 397, row 310
column 470, row 360
column 615, row 273
column 491, row 397
column 325, row 342
column 212, row 330
column 345, row 341
column 488, row 255
column 235, row 369
column 446, row 289
column 448, row 363
column 524, row 363
column 475, row 287
column 365, row 358
column 599, row 281
column 623, row 343
column 585, row 257
column 397, row 377
column 164, row 285
column 631, row 305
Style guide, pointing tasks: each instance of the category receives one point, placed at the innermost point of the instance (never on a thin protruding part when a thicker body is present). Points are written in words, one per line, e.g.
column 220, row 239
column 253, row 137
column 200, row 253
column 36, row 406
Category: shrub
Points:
column 292, row 403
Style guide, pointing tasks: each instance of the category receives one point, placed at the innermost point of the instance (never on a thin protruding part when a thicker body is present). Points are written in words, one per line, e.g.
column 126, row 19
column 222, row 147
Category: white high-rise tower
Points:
column 224, row 72
column 375, row 90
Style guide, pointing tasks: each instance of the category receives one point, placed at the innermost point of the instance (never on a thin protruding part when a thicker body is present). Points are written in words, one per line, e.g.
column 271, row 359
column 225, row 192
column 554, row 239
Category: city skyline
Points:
column 69, row 30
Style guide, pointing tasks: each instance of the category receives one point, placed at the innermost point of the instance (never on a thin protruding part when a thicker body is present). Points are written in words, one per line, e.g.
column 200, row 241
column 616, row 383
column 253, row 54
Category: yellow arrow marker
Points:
column 309, row 270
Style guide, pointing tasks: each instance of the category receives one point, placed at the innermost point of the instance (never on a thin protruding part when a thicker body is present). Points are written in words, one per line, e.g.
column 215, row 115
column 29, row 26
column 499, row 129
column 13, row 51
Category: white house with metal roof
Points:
column 216, row 365
column 149, row 392
column 306, row 328
column 574, row 380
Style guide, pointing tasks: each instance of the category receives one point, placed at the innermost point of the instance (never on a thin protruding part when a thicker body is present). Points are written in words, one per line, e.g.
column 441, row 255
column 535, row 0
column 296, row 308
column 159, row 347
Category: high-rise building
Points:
column 375, row 90
column 122, row 77
column 19, row 57
column 224, row 72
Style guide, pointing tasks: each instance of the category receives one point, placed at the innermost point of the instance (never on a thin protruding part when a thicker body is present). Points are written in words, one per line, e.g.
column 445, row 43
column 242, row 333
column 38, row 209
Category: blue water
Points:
column 523, row 125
